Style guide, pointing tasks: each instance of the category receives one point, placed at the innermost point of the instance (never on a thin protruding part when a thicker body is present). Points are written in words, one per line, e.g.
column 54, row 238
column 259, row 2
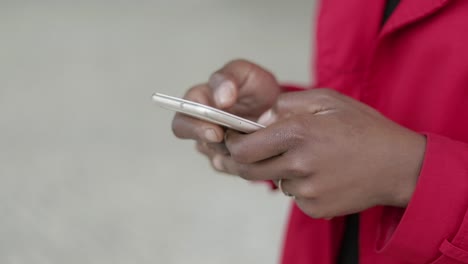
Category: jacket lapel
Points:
column 411, row 11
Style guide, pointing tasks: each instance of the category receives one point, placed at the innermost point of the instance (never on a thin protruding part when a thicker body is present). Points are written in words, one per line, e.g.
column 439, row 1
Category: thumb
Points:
column 245, row 82
column 268, row 118
column 224, row 90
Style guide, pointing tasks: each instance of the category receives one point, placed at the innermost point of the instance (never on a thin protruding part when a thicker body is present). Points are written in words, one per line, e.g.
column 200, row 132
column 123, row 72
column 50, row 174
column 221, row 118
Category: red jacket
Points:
column 414, row 70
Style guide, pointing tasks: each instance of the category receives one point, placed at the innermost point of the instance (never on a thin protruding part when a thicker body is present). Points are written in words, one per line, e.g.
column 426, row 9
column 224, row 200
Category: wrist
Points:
column 407, row 175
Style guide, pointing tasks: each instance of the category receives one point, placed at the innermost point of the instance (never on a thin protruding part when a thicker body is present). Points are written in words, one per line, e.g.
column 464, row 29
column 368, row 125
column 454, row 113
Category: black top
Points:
column 349, row 251
column 389, row 8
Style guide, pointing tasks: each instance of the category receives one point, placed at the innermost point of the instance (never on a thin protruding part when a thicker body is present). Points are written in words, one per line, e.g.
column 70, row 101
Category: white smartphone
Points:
column 206, row 113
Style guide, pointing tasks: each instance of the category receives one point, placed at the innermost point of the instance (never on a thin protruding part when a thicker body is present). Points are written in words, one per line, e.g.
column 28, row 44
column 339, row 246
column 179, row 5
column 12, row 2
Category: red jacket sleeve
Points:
column 434, row 226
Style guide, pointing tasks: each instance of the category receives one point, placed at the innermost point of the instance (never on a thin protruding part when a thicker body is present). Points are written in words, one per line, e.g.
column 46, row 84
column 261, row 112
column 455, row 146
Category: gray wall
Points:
column 89, row 170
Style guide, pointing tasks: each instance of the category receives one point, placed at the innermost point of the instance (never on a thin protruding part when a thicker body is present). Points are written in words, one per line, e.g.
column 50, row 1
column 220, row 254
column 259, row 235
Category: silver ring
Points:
column 280, row 186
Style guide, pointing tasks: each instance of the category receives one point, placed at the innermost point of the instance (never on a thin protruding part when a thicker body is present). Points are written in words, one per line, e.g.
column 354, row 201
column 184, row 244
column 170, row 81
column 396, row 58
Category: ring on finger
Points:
column 286, row 193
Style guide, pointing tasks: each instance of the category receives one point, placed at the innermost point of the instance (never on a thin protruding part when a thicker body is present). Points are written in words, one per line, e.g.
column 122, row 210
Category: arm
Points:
column 434, row 226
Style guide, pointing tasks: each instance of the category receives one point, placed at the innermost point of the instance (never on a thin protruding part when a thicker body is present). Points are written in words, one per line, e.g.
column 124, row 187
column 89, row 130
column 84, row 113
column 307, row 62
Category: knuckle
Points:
column 230, row 70
column 239, row 62
column 297, row 167
column 245, row 71
column 282, row 102
column 191, row 92
column 326, row 96
column 327, row 92
column 263, row 75
column 309, row 191
column 196, row 93
column 235, row 71
column 283, row 97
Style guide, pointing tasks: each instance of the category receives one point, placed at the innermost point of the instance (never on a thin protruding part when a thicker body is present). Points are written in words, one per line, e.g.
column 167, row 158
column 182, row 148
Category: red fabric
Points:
column 415, row 71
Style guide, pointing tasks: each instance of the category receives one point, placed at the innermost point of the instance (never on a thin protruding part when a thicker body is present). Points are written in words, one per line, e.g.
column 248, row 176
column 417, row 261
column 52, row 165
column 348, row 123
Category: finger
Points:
column 186, row 127
column 217, row 162
column 218, row 148
column 213, row 155
column 268, row 118
column 314, row 101
column 271, row 169
column 212, row 149
column 300, row 188
column 203, row 148
column 317, row 101
column 312, row 208
column 239, row 80
column 265, row 143
column 201, row 94
column 320, row 209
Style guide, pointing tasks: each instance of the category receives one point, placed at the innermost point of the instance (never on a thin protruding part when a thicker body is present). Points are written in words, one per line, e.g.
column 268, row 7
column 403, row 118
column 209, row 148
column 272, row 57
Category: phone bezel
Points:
column 206, row 113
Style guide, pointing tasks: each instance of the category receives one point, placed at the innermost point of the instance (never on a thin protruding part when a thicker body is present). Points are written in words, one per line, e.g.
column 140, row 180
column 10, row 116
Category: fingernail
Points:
column 224, row 93
column 218, row 162
column 210, row 135
column 267, row 118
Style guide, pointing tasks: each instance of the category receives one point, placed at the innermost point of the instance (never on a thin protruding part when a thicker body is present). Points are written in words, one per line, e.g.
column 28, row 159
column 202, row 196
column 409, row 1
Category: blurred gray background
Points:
column 89, row 169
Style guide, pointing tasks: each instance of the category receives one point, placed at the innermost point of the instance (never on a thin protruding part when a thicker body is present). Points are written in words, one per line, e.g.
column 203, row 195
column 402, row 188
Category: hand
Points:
column 335, row 155
column 241, row 88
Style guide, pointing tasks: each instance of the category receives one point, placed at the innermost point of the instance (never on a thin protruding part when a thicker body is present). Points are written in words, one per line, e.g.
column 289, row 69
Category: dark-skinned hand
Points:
column 240, row 87
column 334, row 154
